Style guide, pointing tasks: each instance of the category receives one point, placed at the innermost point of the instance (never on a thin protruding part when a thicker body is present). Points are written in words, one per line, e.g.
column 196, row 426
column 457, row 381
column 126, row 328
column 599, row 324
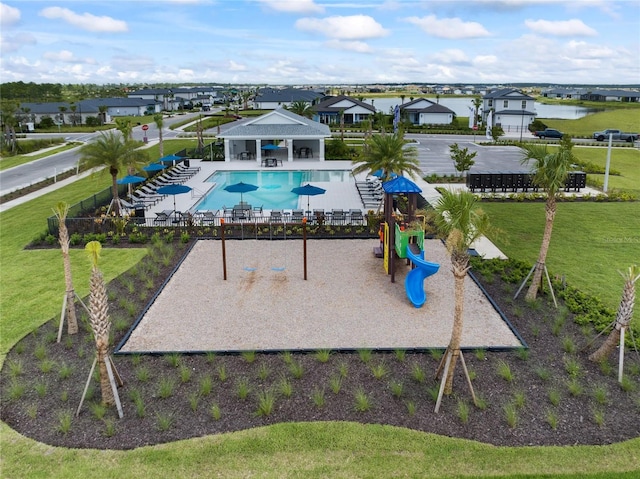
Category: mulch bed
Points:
column 42, row 382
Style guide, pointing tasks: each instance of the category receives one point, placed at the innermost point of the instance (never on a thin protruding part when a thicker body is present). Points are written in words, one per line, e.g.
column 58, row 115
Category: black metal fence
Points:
column 518, row 181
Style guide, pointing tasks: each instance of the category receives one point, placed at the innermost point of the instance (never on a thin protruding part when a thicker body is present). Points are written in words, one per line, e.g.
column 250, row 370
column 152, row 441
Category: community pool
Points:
column 274, row 187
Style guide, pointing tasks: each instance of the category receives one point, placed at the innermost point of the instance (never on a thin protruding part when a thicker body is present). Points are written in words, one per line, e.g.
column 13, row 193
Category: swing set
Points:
column 272, row 237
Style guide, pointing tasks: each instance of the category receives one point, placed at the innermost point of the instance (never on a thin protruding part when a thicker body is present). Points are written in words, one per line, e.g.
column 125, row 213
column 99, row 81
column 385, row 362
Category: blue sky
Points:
column 297, row 42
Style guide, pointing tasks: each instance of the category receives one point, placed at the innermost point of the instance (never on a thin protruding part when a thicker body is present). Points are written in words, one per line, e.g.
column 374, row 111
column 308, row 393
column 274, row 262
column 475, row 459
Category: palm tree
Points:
column 389, row 154
column 117, row 154
column 550, row 171
column 103, row 113
column 624, row 315
column 460, row 221
column 99, row 319
column 246, row 96
column 60, row 210
column 301, row 108
column 158, row 119
column 125, row 126
column 477, row 103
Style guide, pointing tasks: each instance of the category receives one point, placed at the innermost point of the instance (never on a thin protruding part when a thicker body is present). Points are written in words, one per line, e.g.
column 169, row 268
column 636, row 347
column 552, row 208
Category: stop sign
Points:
column 145, row 127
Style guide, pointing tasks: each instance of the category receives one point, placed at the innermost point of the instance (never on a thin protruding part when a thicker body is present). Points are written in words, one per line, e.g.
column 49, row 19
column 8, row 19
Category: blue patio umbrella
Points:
column 170, row 159
column 130, row 180
column 154, row 167
column 308, row 190
column 270, row 146
column 241, row 188
column 173, row 190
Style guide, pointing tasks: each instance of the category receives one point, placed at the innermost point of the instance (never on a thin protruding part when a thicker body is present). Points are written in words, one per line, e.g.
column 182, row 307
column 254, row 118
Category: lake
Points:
column 461, row 107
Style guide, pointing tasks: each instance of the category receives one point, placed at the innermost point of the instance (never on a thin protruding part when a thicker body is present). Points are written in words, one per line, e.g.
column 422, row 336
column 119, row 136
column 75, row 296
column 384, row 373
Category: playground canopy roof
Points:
column 400, row 184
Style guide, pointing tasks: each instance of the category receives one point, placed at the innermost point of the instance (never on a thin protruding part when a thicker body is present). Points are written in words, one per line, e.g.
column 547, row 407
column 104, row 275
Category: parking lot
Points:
column 434, row 156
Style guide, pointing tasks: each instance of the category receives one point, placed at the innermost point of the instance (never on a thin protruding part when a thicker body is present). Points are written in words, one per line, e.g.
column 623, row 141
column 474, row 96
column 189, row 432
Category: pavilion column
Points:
column 289, row 150
column 321, row 150
column 227, row 150
column 259, row 151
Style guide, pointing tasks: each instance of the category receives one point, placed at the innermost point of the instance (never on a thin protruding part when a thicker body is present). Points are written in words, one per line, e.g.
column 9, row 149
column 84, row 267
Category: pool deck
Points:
column 342, row 195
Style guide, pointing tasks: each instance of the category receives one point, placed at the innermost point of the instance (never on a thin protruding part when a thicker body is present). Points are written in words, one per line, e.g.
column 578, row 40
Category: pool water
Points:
column 274, row 188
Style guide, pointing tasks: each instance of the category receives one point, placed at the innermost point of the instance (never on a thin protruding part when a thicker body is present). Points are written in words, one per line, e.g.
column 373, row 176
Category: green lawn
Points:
column 626, row 119
column 590, row 241
column 624, row 160
column 32, row 287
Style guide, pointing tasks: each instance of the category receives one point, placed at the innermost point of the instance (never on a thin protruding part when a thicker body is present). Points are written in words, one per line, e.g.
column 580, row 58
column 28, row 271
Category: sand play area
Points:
column 347, row 302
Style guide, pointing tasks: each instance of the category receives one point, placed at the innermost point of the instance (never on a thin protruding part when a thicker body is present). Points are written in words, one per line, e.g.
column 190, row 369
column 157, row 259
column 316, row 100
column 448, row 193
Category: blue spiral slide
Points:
column 414, row 282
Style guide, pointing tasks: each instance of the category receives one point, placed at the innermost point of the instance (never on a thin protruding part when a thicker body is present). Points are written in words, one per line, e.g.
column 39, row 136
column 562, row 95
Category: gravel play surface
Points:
column 348, row 302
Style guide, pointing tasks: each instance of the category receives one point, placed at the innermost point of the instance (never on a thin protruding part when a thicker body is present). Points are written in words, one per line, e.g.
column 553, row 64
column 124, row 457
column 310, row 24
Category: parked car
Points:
column 548, row 133
column 617, row 135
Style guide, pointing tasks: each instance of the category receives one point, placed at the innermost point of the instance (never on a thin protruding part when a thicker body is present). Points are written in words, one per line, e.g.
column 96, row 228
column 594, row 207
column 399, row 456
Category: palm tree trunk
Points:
column 460, row 266
column 72, row 320
column 100, row 323
column 105, row 385
column 114, row 187
column 536, row 282
column 623, row 319
column 160, row 145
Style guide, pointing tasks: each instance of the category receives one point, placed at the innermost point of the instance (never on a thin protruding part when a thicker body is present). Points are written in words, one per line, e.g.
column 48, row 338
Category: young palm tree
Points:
column 125, row 126
column 550, row 171
column 301, row 108
column 103, row 113
column 477, row 103
column 158, row 120
column 99, row 319
column 461, row 223
column 389, row 154
column 61, row 210
column 625, row 313
column 112, row 151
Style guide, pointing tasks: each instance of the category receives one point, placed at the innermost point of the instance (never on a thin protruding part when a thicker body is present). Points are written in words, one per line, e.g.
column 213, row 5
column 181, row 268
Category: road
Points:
column 50, row 166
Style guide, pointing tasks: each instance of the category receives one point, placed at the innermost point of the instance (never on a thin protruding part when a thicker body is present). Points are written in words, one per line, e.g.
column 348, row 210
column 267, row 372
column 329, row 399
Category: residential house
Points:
column 63, row 112
column 273, row 98
column 512, row 109
column 425, row 112
column 563, row 93
column 354, row 111
column 624, row 96
column 279, row 134
column 179, row 97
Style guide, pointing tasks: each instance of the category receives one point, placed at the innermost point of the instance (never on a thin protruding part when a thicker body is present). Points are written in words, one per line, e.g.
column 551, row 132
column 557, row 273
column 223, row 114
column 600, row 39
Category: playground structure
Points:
column 405, row 243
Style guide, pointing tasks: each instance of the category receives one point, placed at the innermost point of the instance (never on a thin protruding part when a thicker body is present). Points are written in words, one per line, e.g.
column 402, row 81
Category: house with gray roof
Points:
column 354, row 111
column 512, row 109
column 278, row 134
column 425, row 112
column 624, row 96
column 273, row 98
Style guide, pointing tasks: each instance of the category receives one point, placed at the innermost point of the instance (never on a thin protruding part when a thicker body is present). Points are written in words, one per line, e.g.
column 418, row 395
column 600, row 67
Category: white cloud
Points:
column 351, row 46
column 451, row 55
column 65, row 56
column 12, row 43
column 236, row 67
column 560, row 28
column 85, row 21
column 451, row 28
column 354, row 27
column 483, row 60
column 293, row 6
column 8, row 15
